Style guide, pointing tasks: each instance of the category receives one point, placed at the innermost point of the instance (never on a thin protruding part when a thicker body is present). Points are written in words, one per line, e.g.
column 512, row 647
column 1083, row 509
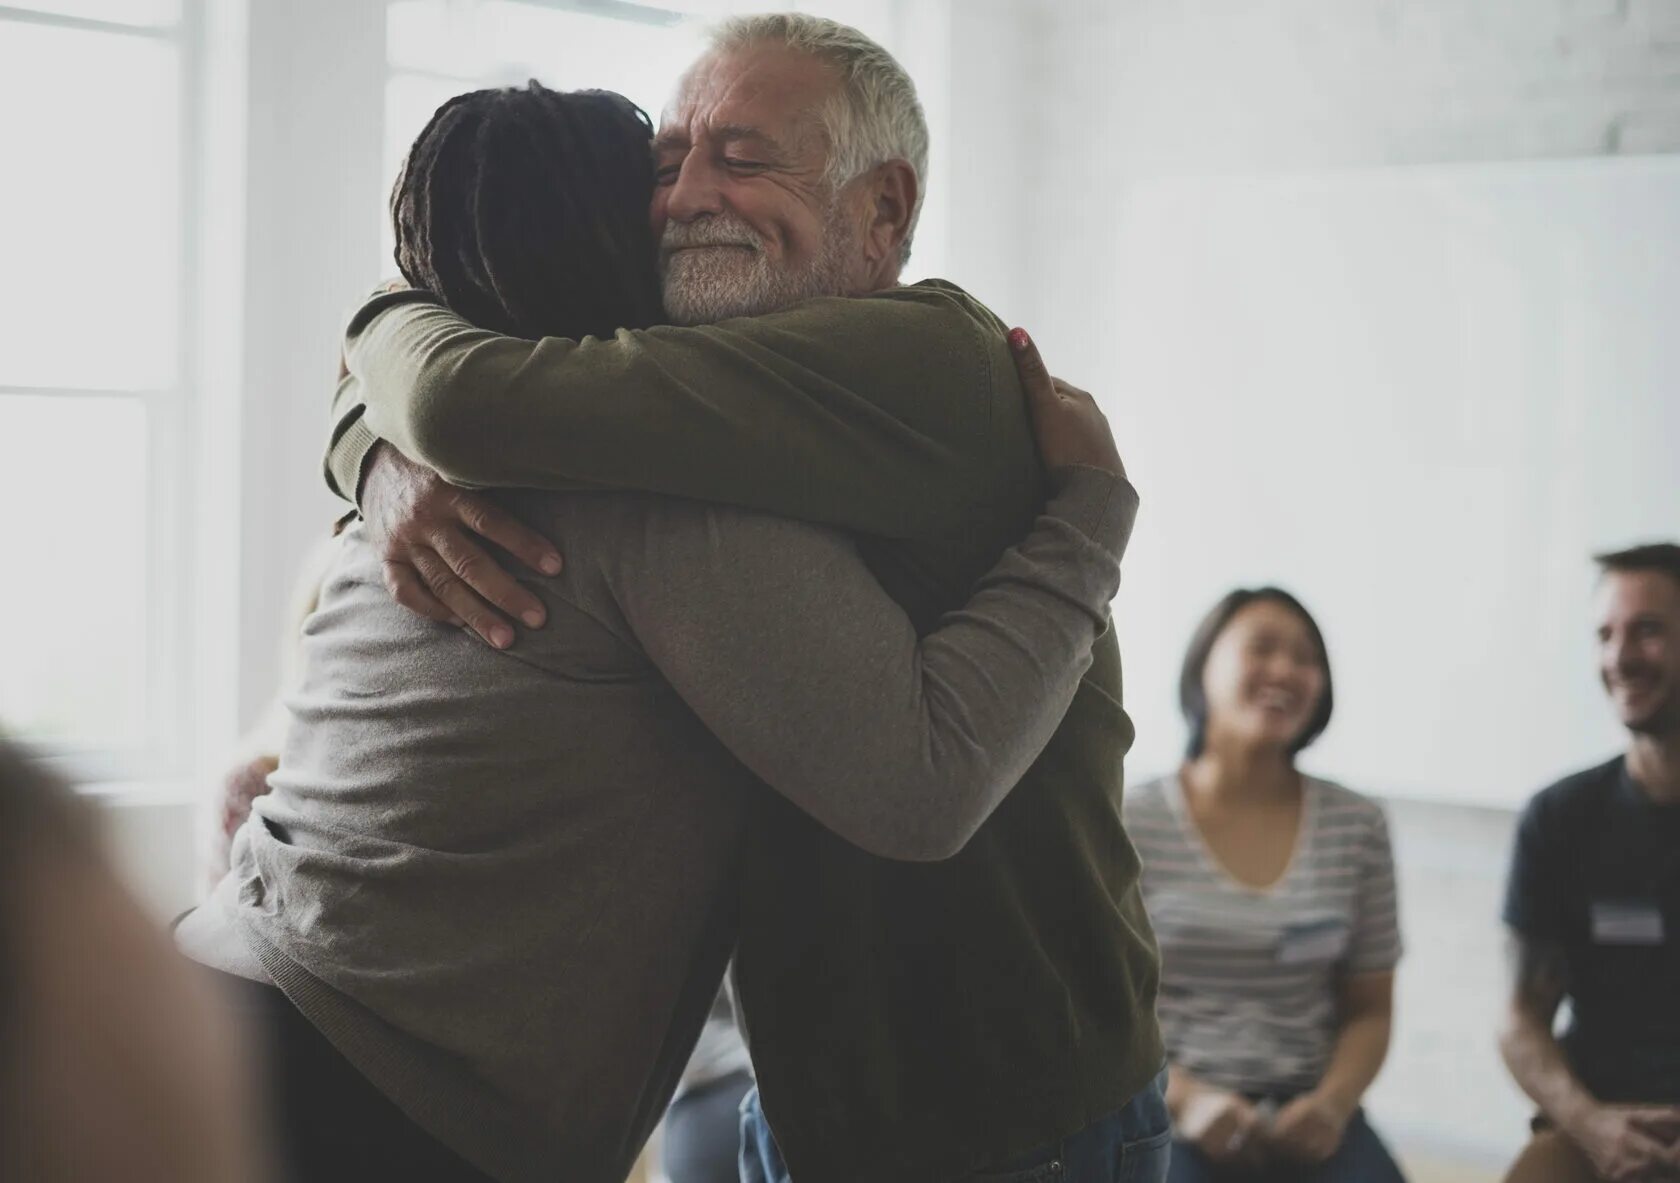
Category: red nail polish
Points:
column 1018, row 339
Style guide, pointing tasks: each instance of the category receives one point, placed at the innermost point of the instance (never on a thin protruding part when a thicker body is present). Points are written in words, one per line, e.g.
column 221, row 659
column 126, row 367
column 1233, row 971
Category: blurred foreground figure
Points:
column 1273, row 898
column 1593, row 905
column 114, row 1063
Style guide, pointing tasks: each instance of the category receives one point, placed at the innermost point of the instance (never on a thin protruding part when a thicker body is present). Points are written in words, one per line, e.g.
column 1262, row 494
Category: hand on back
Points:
column 430, row 536
column 1069, row 426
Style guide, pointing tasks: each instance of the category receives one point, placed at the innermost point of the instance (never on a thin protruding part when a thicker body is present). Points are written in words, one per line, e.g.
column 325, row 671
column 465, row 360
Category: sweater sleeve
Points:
column 782, row 643
column 871, row 413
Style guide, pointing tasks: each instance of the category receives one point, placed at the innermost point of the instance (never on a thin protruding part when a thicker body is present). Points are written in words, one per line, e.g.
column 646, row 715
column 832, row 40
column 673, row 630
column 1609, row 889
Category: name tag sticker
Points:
column 1626, row 922
column 1318, row 940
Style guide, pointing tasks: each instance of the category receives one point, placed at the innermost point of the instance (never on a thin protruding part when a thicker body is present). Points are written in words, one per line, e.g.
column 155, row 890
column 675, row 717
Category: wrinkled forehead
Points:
column 763, row 91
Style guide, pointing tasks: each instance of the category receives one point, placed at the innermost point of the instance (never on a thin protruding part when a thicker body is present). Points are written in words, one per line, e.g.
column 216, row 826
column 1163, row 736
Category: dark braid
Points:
column 526, row 211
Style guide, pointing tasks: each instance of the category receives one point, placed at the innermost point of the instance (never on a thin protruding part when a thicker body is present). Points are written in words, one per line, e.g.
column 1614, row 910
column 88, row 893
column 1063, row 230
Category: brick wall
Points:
column 1120, row 90
column 1176, row 84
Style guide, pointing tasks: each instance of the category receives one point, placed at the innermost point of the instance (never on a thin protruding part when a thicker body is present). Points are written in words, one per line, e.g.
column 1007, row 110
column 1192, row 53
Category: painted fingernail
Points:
column 1019, row 341
column 550, row 564
column 532, row 619
column 501, row 637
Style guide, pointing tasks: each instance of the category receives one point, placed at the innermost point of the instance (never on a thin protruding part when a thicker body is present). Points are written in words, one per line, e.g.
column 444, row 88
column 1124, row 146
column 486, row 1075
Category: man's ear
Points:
column 894, row 193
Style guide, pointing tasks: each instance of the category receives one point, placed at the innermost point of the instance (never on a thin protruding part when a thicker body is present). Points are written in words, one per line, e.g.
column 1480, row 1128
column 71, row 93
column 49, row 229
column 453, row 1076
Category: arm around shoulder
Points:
column 873, row 413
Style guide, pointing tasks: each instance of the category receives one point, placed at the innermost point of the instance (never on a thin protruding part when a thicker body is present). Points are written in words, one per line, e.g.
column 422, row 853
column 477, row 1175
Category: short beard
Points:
column 1660, row 722
column 732, row 276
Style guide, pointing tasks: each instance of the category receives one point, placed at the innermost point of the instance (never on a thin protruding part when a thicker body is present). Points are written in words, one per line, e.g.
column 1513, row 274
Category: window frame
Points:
column 166, row 650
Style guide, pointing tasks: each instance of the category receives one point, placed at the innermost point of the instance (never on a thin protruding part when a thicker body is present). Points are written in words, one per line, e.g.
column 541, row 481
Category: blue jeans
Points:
column 702, row 1140
column 1130, row 1145
column 1361, row 1158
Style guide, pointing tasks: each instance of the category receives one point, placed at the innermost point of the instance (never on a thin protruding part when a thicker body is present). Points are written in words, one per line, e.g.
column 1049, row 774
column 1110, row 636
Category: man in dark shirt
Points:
column 1593, row 905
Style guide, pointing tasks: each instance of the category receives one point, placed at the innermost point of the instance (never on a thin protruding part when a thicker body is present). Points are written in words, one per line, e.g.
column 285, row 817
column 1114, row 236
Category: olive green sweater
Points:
column 909, row 1022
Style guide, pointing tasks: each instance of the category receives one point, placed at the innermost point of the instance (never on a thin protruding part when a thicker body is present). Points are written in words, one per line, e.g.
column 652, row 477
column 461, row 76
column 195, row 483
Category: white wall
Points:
column 1420, row 397
column 1243, row 239
column 1308, row 252
column 1444, row 1096
column 316, row 97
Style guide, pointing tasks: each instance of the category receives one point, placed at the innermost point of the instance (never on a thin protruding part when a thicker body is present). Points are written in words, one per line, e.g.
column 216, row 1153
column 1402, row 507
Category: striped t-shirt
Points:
column 1248, row 976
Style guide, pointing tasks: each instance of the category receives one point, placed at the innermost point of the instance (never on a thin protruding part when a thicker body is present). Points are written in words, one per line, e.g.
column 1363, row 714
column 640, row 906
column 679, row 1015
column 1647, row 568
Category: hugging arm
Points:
column 783, row 644
column 877, row 413
column 868, row 413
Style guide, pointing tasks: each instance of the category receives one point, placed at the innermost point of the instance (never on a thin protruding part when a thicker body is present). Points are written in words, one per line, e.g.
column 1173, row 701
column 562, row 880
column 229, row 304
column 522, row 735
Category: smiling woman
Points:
column 1273, row 900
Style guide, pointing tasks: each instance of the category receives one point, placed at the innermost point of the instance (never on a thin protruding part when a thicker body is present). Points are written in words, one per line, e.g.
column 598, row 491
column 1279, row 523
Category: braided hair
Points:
column 526, row 211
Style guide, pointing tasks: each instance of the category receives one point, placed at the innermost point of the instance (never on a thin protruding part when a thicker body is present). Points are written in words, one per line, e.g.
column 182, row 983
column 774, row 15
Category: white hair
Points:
column 875, row 118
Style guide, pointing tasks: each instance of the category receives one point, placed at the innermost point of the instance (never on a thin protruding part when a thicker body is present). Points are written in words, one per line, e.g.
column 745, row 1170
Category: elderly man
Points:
column 488, row 902
column 992, row 1013
column 1593, row 906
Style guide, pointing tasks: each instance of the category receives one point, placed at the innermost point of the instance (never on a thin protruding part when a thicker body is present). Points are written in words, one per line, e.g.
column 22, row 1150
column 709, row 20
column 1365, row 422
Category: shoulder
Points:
column 1348, row 815
column 1153, row 826
column 946, row 299
column 1568, row 803
column 1147, row 808
column 1336, row 800
column 942, row 323
column 1149, row 794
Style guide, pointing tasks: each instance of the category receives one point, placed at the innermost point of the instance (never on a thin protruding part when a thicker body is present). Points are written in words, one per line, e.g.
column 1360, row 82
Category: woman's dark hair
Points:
column 526, row 211
column 1192, row 696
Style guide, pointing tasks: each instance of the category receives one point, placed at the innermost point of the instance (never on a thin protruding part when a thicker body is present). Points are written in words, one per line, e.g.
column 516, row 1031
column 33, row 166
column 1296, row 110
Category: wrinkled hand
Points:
column 1070, row 427
column 1223, row 1126
column 1309, row 1128
column 427, row 531
column 1632, row 1144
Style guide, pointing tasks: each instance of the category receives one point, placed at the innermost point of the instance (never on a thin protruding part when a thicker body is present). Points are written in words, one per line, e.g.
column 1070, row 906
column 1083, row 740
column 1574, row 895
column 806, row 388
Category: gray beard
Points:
column 709, row 284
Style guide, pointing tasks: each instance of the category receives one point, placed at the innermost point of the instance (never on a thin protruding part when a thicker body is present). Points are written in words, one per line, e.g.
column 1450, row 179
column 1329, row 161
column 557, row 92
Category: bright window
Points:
column 91, row 387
